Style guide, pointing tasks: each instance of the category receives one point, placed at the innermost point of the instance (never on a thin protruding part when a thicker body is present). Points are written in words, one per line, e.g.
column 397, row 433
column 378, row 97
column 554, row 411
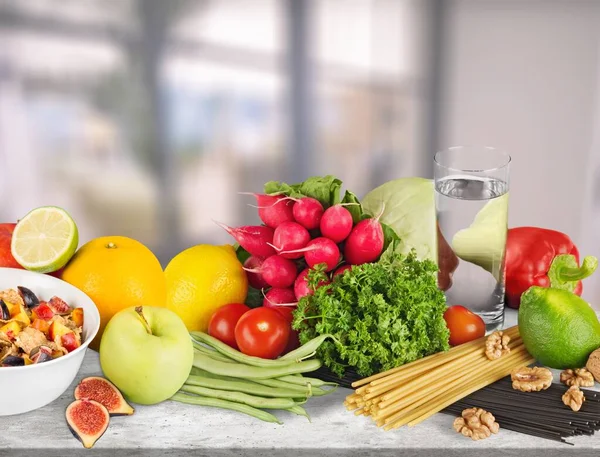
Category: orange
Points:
column 116, row 272
column 200, row 280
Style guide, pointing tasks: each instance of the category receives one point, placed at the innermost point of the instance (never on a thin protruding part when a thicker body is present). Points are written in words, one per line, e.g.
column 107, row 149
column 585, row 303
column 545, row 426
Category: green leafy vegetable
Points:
column 326, row 189
column 409, row 210
column 385, row 314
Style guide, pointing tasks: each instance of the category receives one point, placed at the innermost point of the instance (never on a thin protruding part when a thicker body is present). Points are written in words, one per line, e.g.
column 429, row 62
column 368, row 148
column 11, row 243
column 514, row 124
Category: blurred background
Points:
column 145, row 118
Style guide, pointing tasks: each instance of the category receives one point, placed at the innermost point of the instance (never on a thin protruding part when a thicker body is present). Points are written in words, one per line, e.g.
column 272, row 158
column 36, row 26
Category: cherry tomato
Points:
column 464, row 325
column 223, row 321
column 262, row 332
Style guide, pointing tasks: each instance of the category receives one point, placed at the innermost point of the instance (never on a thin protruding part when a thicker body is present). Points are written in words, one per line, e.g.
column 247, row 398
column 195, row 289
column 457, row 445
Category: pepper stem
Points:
column 139, row 310
column 564, row 272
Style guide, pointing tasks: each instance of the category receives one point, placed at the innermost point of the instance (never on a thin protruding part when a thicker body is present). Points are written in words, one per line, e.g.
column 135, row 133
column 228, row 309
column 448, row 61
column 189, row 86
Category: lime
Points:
column 558, row 328
column 45, row 239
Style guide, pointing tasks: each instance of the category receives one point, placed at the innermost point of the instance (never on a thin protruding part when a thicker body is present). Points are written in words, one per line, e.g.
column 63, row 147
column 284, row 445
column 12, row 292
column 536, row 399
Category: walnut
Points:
column 476, row 424
column 573, row 398
column 593, row 364
column 578, row 377
column 531, row 379
column 496, row 345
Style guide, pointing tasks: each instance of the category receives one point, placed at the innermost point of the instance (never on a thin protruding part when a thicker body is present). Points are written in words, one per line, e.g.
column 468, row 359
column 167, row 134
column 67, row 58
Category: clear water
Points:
column 478, row 209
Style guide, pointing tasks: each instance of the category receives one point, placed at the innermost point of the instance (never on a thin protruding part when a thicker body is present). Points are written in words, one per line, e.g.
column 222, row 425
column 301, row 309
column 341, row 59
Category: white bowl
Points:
column 33, row 386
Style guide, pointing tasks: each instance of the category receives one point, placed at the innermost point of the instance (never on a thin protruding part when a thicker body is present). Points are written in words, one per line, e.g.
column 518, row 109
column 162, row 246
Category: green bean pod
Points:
column 217, row 403
column 211, row 353
column 276, row 384
column 306, row 350
column 237, row 355
column 252, row 372
column 238, row 385
column 303, row 380
column 239, row 397
column 300, row 411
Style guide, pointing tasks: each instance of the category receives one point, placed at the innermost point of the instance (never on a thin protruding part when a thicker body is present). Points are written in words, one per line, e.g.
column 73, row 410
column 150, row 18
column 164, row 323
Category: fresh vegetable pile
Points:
column 225, row 378
column 345, row 272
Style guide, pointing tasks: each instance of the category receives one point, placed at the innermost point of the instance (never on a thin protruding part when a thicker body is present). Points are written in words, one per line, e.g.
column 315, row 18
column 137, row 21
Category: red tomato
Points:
column 294, row 339
column 464, row 325
column 262, row 332
column 223, row 321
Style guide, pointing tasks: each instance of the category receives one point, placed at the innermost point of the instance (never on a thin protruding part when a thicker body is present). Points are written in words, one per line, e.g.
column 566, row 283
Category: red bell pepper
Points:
column 542, row 257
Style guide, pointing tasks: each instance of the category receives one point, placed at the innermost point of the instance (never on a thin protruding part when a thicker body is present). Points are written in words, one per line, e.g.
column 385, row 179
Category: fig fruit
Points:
column 88, row 420
column 59, row 306
column 13, row 361
column 105, row 392
column 28, row 297
column 40, row 354
column 4, row 312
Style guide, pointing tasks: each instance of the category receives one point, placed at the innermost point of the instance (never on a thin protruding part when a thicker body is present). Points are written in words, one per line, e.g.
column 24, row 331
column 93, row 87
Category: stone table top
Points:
column 173, row 428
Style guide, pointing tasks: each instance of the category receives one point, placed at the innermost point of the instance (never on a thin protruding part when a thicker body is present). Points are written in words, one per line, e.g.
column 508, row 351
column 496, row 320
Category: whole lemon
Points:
column 116, row 272
column 200, row 280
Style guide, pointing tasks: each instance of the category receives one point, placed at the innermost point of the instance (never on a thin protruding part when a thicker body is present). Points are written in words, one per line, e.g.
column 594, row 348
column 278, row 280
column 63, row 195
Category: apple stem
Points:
column 139, row 310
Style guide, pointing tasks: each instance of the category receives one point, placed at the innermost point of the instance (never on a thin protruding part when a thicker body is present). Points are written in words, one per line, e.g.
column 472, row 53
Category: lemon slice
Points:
column 45, row 239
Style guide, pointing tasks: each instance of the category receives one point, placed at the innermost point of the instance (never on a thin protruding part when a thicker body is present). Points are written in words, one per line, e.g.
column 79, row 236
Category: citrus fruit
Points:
column 200, row 280
column 558, row 328
column 116, row 272
column 45, row 239
column 6, row 258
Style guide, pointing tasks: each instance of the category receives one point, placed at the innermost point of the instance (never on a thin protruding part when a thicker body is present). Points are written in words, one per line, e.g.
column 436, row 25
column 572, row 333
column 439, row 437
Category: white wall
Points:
column 523, row 76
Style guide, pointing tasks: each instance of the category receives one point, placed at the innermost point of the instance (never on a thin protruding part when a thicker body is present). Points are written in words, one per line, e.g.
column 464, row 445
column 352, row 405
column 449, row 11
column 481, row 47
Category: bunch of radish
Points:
column 299, row 233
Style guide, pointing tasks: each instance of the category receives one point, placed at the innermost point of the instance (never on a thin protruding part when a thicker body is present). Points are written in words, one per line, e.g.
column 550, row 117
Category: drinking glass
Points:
column 471, row 201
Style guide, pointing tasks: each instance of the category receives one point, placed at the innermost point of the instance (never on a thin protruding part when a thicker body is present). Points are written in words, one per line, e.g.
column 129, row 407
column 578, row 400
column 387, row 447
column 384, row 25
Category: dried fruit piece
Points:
column 104, row 392
column 29, row 298
column 531, row 379
column 496, row 345
column 43, row 311
column 573, row 398
column 77, row 317
column 88, row 420
column 593, row 364
column 578, row 377
column 476, row 423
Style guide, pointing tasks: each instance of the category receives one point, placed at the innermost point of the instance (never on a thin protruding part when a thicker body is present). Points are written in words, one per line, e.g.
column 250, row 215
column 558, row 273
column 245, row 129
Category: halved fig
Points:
column 105, row 392
column 29, row 298
column 4, row 312
column 59, row 306
column 88, row 420
column 13, row 361
column 40, row 354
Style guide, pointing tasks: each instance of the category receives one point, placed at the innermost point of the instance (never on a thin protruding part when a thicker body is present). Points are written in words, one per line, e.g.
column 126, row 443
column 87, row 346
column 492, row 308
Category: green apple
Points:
column 147, row 353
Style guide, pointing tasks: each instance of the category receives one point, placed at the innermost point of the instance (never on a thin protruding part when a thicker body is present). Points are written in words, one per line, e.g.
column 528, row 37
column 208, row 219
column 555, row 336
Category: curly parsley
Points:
column 383, row 314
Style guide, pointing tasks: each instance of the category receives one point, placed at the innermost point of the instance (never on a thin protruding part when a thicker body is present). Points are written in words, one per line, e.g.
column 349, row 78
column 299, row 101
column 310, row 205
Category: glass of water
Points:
column 471, row 201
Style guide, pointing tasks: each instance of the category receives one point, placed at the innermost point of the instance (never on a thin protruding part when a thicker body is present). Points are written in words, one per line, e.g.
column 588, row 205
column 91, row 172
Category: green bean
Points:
column 308, row 349
column 252, row 372
column 211, row 353
column 237, row 355
column 303, row 380
column 276, row 384
column 217, row 403
column 239, row 397
column 300, row 411
column 238, row 385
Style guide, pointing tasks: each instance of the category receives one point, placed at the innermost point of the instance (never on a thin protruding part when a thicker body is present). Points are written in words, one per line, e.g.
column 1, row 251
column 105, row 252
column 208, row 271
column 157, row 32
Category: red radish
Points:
column 290, row 236
column 277, row 271
column 301, row 288
column 280, row 298
column 251, row 265
column 274, row 209
column 342, row 269
column 365, row 242
column 256, row 239
column 308, row 212
column 336, row 223
column 320, row 250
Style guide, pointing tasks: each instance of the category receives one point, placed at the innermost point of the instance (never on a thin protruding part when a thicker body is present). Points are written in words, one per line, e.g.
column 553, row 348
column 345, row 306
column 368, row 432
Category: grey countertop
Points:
column 177, row 429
